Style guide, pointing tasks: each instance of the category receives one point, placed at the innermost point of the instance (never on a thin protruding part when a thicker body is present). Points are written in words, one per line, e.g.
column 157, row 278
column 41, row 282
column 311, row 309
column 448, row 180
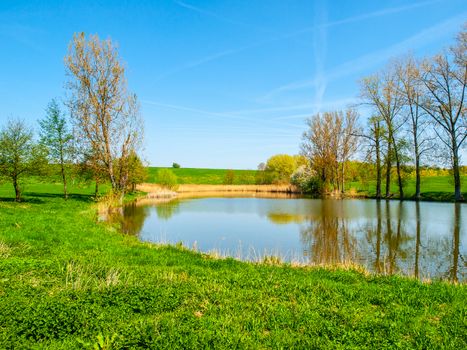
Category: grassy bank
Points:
column 67, row 282
column 436, row 188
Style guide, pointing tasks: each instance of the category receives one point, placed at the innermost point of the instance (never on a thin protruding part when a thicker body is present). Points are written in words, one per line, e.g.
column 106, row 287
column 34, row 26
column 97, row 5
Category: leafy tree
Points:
column 57, row 138
column 175, row 165
column 282, row 166
column 20, row 156
column 138, row 173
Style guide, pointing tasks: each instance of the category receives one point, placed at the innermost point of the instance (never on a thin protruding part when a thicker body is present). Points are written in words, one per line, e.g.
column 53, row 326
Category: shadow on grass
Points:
column 73, row 196
column 38, row 197
column 23, row 200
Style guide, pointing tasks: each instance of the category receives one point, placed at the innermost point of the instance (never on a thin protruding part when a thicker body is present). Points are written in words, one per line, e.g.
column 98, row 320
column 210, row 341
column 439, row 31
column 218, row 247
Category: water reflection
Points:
column 424, row 240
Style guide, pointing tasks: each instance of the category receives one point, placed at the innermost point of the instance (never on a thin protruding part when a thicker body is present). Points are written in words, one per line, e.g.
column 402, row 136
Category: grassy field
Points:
column 69, row 282
column 200, row 176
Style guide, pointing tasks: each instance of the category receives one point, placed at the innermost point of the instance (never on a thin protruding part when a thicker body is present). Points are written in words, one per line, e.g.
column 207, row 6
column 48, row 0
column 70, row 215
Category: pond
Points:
column 425, row 240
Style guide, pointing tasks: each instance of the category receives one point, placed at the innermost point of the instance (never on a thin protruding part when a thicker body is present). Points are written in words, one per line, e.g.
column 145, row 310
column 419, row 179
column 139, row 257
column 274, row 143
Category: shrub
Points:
column 229, row 177
column 175, row 165
column 306, row 180
column 167, row 179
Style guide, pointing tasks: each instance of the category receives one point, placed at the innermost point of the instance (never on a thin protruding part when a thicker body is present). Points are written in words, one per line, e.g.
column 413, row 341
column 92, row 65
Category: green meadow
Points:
column 200, row 176
column 68, row 281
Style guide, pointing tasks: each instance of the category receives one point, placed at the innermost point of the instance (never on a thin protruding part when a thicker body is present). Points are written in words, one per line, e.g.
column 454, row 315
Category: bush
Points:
column 175, row 165
column 305, row 179
column 167, row 179
column 229, row 177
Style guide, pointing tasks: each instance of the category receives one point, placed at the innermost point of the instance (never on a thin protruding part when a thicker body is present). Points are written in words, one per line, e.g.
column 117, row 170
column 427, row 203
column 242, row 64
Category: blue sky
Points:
column 222, row 84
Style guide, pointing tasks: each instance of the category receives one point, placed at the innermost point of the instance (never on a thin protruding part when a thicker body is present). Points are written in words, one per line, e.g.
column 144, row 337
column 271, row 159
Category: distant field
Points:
column 433, row 187
column 199, row 176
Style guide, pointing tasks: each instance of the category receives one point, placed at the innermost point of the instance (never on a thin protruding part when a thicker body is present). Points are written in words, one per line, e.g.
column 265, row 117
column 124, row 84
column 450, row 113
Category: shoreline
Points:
column 155, row 191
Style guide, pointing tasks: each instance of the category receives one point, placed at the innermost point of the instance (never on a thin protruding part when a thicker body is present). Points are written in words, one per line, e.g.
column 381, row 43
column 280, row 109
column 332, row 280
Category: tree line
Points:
column 419, row 116
column 101, row 137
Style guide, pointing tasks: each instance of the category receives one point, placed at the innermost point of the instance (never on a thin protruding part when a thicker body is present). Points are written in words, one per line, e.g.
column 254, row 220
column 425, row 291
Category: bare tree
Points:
column 382, row 93
column 445, row 80
column 408, row 73
column 374, row 136
column 329, row 143
column 106, row 116
column 348, row 142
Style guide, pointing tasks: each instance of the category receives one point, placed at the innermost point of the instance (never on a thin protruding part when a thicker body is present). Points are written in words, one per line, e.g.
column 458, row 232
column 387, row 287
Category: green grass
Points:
column 200, row 176
column 69, row 282
column 432, row 188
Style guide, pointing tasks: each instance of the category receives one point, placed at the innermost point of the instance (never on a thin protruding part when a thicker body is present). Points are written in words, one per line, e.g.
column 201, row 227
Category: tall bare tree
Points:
column 374, row 136
column 382, row 92
column 445, row 80
column 408, row 73
column 348, row 141
column 105, row 114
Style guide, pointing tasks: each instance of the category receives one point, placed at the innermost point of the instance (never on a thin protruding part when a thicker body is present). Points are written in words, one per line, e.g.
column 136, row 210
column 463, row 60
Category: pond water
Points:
column 425, row 240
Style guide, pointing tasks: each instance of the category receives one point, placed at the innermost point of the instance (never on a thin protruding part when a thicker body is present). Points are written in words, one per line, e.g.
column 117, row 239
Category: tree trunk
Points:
column 456, row 172
column 17, row 189
column 96, row 191
column 378, row 170
column 62, row 165
column 398, row 168
column 399, row 176
column 388, row 172
column 417, row 158
column 65, row 192
column 343, row 177
column 417, row 175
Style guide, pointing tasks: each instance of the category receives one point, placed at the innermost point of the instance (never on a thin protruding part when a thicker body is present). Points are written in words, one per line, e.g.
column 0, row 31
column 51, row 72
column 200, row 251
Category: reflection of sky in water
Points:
column 315, row 231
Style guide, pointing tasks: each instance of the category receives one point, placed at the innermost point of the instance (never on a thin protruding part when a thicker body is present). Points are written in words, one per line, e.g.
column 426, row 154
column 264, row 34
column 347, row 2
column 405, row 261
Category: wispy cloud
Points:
column 369, row 60
column 212, row 14
column 381, row 13
column 218, row 55
column 319, row 51
column 224, row 115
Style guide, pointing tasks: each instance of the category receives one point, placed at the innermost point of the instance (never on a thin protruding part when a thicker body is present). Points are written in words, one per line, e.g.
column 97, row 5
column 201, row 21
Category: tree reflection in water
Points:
column 390, row 244
column 327, row 239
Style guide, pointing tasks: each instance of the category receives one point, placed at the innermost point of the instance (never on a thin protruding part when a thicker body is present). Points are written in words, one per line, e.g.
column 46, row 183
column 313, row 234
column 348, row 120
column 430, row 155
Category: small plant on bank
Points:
column 167, row 179
column 229, row 177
